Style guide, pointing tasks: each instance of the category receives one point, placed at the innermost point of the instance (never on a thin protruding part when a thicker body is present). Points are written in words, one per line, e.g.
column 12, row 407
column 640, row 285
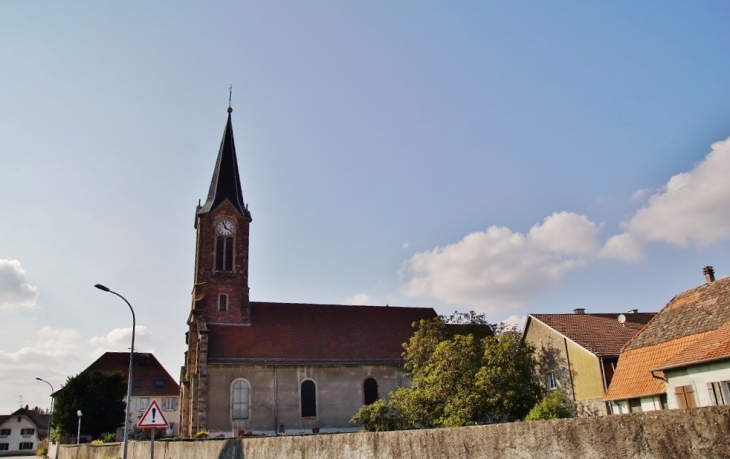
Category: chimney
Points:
column 633, row 311
column 709, row 273
column 579, row 311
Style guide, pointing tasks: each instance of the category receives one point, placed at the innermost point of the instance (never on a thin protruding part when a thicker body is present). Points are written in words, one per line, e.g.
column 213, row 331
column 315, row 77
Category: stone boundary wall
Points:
column 696, row 433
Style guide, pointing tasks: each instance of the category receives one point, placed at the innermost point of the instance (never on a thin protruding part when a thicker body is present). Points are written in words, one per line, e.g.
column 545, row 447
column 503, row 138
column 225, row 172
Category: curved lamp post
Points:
column 50, row 418
column 131, row 366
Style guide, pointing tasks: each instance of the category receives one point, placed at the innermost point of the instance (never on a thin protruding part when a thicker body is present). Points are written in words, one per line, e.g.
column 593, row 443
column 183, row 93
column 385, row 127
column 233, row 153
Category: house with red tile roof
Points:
column 578, row 352
column 682, row 357
column 263, row 367
column 151, row 382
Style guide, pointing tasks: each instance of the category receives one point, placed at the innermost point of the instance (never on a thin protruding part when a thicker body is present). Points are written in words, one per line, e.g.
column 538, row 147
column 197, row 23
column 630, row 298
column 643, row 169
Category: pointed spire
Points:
column 226, row 183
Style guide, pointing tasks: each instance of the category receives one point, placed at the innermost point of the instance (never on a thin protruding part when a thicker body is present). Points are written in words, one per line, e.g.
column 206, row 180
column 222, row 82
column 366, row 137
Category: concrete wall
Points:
column 275, row 399
column 696, row 433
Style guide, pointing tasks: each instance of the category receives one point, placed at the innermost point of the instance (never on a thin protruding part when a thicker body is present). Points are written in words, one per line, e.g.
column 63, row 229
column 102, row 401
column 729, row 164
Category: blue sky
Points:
column 506, row 157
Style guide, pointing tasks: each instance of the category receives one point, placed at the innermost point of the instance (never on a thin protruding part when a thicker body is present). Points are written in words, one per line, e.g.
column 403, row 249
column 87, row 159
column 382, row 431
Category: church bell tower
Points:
column 221, row 255
column 220, row 291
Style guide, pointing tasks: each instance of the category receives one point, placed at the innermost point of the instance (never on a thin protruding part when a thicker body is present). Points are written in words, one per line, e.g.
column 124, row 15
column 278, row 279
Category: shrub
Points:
column 554, row 405
column 97, row 442
column 109, row 437
column 377, row 416
column 201, row 434
column 42, row 449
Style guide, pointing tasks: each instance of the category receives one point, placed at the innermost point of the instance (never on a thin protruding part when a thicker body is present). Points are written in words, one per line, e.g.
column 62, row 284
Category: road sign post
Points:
column 152, row 418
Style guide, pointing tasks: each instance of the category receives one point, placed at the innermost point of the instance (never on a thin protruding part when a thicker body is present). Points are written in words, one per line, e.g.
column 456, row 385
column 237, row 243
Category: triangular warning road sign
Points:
column 152, row 417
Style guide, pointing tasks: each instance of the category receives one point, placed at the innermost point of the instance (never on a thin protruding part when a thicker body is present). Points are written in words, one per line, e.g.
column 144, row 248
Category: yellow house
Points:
column 579, row 352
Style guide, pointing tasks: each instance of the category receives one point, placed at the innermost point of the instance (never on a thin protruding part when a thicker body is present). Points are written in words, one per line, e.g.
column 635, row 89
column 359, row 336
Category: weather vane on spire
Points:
column 230, row 94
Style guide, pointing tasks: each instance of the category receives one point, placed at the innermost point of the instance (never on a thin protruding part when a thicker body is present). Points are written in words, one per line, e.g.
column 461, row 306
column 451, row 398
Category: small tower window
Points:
column 223, row 303
column 309, row 399
column 370, row 391
column 224, row 254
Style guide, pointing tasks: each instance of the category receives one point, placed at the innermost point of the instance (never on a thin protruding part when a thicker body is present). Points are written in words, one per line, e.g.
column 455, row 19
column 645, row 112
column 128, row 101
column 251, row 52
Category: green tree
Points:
column 100, row 397
column 448, row 361
column 507, row 380
column 554, row 405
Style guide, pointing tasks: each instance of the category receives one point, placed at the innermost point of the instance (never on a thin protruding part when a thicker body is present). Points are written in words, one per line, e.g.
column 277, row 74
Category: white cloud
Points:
column 359, row 299
column 120, row 339
column 51, row 354
column 406, row 245
column 498, row 269
column 15, row 291
column 623, row 247
column 692, row 208
column 517, row 321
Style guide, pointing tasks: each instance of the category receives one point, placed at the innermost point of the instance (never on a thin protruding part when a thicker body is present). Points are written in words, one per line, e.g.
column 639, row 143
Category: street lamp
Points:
column 78, row 433
column 50, row 418
column 131, row 366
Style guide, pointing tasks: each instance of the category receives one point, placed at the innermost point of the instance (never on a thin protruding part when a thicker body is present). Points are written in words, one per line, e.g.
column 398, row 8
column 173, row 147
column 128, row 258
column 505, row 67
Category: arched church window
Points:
column 240, row 391
column 224, row 254
column 223, row 302
column 309, row 399
column 370, row 391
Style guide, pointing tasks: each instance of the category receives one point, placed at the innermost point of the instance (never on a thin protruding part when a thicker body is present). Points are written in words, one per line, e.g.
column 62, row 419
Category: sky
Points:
column 502, row 157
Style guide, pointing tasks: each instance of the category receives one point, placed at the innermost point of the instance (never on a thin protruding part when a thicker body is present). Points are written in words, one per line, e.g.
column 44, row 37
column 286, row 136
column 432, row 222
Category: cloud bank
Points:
column 498, row 270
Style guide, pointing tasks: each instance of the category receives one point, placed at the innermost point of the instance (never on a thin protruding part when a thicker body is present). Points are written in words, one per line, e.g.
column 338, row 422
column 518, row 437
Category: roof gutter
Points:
column 697, row 362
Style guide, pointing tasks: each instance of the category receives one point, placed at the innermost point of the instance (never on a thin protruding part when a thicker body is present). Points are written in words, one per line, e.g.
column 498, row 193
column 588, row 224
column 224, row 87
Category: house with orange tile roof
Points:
column 578, row 352
column 681, row 358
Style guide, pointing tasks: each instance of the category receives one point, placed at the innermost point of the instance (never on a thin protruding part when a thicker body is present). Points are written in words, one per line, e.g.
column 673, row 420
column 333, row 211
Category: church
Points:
column 271, row 368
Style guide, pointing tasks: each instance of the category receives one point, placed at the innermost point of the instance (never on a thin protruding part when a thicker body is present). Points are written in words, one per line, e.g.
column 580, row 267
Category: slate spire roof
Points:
column 226, row 183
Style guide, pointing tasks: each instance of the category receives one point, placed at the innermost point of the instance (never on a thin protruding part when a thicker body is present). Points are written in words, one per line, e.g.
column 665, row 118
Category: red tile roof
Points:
column 300, row 333
column 693, row 327
column 146, row 369
column 601, row 334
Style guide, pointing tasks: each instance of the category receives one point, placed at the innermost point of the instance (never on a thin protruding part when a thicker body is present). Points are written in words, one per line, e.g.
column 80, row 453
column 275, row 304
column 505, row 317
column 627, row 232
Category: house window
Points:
column 27, row 431
column 137, row 383
column 309, row 399
column 25, row 445
column 169, row 403
column 5, row 432
column 143, row 403
column 685, row 396
column 717, row 397
column 635, row 405
column 159, row 383
column 4, row 446
column 240, row 391
column 664, row 401
column 224, row 254
column 370, row 391
column 223, row 302
column 550, row 381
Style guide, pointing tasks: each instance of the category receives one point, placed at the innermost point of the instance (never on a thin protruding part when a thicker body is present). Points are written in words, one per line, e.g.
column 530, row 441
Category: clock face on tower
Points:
column 225, row 228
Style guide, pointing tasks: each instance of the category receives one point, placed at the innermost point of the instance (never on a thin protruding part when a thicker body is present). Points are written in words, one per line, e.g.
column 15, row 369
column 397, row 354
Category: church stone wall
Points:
column 275, row 398
column 696, row 433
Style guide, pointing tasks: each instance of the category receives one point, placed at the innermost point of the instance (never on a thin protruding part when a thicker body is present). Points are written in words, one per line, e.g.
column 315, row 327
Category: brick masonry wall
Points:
column 696, row 433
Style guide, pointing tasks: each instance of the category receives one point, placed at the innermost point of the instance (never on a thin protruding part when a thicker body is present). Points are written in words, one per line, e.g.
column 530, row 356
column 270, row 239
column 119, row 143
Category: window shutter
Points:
column 713, row 395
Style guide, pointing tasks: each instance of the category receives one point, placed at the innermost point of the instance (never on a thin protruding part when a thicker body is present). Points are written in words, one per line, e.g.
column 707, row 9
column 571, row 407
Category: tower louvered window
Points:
column 224, row 254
